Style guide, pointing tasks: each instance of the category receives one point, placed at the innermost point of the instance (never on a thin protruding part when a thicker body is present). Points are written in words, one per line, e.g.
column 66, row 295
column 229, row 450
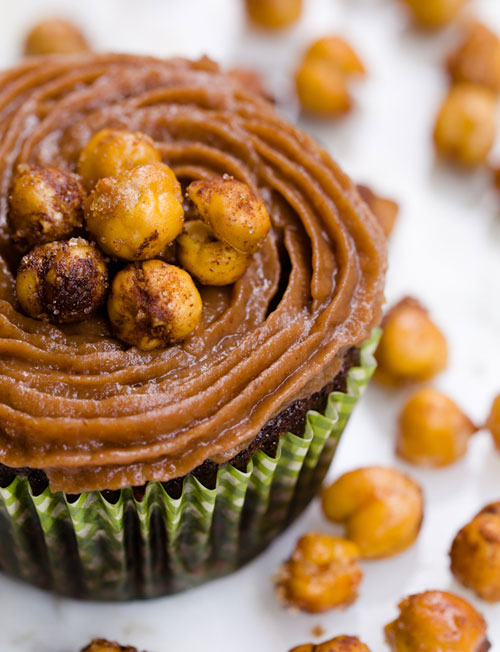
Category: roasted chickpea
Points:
column 233, row 212
column 62, row 282
column 211, row 261
column 385, row 210
column 153, row 304
column 101, row 645
column 477, row 59
column 274, row 14
column 381, row 508
column 110, row 152
column 436, row 621
column 323, row 573
column 466, row 125
column 55, row 36
column 137, row 214
column 322, row 88
column 412, row 348
column 45, row 204
column 337, row 644
column 338, row 53
column 493, row 423
column 475, row 554
column 433, row 14
column 433, row 430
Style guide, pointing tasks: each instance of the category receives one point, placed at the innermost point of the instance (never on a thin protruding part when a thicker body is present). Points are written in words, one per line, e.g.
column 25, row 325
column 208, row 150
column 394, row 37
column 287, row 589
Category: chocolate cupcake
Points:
column 133, row 473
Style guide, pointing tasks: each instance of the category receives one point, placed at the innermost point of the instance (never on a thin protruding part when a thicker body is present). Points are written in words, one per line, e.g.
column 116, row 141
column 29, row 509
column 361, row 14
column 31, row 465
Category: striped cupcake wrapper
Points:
column 91, row 548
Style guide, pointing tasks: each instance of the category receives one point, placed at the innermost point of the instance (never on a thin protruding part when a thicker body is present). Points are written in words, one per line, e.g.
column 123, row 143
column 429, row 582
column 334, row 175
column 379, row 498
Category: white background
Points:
column 445, row 250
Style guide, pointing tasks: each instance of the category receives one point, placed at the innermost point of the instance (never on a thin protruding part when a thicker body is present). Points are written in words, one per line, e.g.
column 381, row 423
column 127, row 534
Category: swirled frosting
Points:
column 94, row 414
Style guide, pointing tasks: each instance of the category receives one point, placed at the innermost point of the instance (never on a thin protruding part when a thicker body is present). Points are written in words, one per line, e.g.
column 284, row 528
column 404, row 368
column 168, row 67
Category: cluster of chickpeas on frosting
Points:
column 129, row 206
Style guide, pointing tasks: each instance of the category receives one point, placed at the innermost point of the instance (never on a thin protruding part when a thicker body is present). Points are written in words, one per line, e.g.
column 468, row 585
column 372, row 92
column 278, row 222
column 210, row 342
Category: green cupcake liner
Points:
column 92, row 548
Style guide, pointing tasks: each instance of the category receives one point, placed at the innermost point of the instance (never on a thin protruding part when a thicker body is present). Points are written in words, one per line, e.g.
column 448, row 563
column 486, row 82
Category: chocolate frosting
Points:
column 95, row 414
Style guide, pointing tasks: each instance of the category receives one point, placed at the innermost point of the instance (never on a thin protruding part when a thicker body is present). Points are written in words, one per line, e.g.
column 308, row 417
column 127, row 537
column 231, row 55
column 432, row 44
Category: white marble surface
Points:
column 445, row 250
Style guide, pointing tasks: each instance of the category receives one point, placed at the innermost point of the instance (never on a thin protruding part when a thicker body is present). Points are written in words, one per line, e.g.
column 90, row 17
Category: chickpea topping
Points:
column 436, row 621
column 101, row 645
column 274, row 14
column 45, row 204
column 323, row 573
column 477, row 59
column 153, row 304
column 493, row 423
column 137, row 214
column 475, row 554
column 412, row 347
column 55, row 36
column 385, row 210
column 322, row 88
column 434, row 14
column 232, row 210
column 337, row 644
column 433, row 430
column 110, row 152
column 62, row 282
column 381, row 508
column 338, row 53
column 211, row 261
column 466, row 126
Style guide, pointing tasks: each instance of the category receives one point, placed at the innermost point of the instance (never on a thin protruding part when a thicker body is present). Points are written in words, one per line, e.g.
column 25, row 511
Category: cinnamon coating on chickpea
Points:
column 381, row 508
column 323, row 573
column 337, row 644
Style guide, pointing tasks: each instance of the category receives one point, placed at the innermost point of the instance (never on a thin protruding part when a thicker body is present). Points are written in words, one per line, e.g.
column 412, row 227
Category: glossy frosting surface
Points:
column 95, row 414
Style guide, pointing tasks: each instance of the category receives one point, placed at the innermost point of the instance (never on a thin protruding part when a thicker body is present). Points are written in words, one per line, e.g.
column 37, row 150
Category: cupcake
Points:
column 132, row 472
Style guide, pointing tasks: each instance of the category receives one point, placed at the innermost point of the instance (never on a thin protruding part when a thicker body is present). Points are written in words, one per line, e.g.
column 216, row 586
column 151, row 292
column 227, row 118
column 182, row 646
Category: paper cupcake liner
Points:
column 88, row 547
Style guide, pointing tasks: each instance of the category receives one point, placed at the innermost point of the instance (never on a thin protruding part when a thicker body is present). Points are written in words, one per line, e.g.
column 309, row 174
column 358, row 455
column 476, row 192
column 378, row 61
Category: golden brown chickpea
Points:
column 323, row 573
column 137, row 214
column 493, row 423
column 153, row 304
column 233, row 212
column 211, row 261
column 274, row 14
column 412, row 348
column 110, row 152
column 475, row 554
column 381, row 508
column 101, row 645
column 433, row 14
column 337, row 644
column 55, row 36
column 466, row 126
column 433, row 430
column 436, row 621
column 477, row 59
column 45, row 204
column 385, row 210
column 338, row 53
column 322, row 89
column 62, row 282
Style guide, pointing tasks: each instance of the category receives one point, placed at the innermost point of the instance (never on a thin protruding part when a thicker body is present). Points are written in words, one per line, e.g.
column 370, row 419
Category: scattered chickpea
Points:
column 323, row 573
column 55, row 36
column 434, row 14
column 493, row 422
column 211, row 261
column 153, row 304
column 274, row 14
column 233, row 212
column 45, row 204
column 110, row 152
column 381, row 508
column 475, row 554
column 433, row 430
column 412, row 348
column 466, row 126
column 62, row 282
column 101, row 645
column 477, row 59
column 385, row 210
column 338, row 53
column 337, row 644
column 436, row 621
column 322, row 88
column 137, row 214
